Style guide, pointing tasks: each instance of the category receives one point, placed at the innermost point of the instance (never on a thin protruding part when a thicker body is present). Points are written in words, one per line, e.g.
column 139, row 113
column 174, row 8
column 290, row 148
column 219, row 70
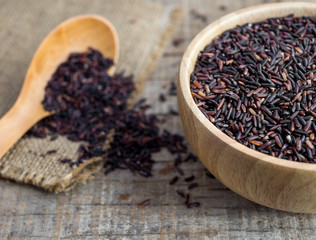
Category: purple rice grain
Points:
column 51, row 151
column 187, row 198
column 208, row 174
column 53, row 138
column 261, row 81
column 189, row 157
column 193, row 185
column 162, row 97
column 193, row 205
column 180, row 171
column 144, row 203
column 173, row 89
column 177, row 41
column 173, row 180
column 65, row 160
column 181, row 193
column 198, row 15
column 89, row 104
column 189, row 179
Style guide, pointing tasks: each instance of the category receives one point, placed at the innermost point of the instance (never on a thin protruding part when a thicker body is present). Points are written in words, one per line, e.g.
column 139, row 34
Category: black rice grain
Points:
column 144, row 203
column 89, row 104
column 263, row 74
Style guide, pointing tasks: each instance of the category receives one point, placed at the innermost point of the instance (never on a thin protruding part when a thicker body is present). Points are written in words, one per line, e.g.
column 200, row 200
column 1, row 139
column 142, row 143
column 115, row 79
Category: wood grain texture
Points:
column 106, row 207
column 276, row 183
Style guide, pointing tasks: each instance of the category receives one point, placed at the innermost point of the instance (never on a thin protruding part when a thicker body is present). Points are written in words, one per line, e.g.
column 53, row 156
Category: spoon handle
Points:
column 15, row 123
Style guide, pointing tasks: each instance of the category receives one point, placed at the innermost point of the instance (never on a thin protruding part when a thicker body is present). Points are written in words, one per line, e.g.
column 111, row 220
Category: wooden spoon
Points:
column 73, row 35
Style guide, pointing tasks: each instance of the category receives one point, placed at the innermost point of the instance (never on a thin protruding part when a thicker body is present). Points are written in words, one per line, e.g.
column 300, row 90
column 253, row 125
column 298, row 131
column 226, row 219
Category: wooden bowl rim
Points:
column 184, row 86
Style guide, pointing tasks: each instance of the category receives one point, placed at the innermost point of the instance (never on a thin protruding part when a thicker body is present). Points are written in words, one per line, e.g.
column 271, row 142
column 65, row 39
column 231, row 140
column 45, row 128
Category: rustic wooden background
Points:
column 107, row 207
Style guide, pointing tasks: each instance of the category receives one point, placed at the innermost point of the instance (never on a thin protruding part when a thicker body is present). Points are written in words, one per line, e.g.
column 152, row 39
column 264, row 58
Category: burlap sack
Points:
column 144, row 29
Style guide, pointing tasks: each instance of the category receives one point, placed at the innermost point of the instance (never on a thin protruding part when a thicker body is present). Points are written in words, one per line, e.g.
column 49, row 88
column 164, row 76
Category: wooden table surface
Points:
column 107, row 207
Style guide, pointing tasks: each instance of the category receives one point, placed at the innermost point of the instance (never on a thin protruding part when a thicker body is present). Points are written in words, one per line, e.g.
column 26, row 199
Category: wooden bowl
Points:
column 272, row 182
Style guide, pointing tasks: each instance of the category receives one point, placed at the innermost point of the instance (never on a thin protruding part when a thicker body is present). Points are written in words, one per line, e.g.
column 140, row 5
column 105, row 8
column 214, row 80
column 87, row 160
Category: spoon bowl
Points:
column 73, row 35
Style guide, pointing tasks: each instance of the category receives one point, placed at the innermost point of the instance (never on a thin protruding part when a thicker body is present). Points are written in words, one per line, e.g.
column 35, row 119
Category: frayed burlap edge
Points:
column 62, row 178
column 172, row 23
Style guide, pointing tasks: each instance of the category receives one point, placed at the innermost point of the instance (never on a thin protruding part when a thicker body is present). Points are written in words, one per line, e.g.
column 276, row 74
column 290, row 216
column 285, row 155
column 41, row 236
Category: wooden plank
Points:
column 107, row 207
